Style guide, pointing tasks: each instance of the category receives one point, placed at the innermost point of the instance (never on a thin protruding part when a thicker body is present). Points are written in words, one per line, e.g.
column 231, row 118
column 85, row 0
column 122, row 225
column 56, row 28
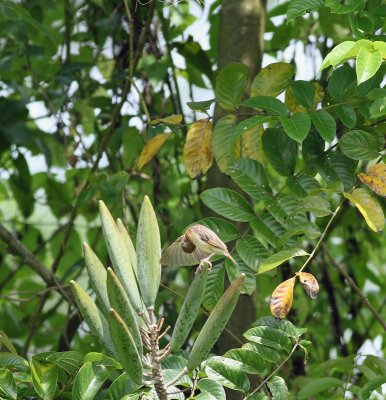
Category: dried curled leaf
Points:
column 151, row 148
column 198, row 148
column 309, row 283
column 375, row 179
column 281, row 300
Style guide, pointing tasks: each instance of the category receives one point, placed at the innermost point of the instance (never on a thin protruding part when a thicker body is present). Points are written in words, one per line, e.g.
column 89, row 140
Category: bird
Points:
column 196, row 246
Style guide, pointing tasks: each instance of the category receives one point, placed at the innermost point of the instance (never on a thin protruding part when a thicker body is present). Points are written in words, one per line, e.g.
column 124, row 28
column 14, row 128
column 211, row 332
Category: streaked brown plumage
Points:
column 197, row 245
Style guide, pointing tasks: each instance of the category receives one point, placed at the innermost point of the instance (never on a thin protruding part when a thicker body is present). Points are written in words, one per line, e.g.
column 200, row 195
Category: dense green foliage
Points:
column 99, row 100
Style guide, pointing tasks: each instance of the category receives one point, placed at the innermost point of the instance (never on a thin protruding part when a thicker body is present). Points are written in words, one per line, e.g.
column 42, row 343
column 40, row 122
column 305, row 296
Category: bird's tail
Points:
column 227, row 254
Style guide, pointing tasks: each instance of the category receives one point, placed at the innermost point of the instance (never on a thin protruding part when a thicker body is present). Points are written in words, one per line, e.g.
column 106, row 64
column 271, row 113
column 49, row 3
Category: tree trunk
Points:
column 242, row 25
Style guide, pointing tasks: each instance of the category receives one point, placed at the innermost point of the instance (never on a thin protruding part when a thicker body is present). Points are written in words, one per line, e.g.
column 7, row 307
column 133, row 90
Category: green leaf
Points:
column 120, row 387
column 346, row 114
column 235, row 270
column 266, row 103
column 224, row 229
column 250, row 123
column 359, row 145
column 129, row 244
column 304, row 93
column 378, row 108
column 210, row 390
column 296, row 126
column 369, row 207
column 272, row 79
column 200, row 105
column 296, row 8
column 278, row 258
column 282, row 325
column 338, row 54
column 222, row 145
column 214, row 287
column 171, row 119
column 319, row 385
column 325, row 124
column 250, row 363
column 270, row 337
column 227, row 203
column 70, row 361
column 97, row 275
column 317, row 205
column 88, row 381
column 13, row 361
column 7, row 384
column 371, row 386
column 125, row 347
column 250, row 175
column 266, row 353
column 251, row 251
column 278, row 388
column 340, row 81
column 367, row 64
column 120, row 257
column 92, row 315
column 230, row 85
column 227, row 372
column 335, row 167
column 5, row 341
column 280, row 151
column 344, row 8
column 101, row 359
column 148, row 253
column 44, row 378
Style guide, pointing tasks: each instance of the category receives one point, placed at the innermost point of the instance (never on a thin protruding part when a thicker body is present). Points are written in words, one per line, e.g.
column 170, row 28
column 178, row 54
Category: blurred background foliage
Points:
column 72, row 127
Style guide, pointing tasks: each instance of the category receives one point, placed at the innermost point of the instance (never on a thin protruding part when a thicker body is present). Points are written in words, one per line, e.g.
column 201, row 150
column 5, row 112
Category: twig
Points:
column 265, row 381
column 353, row 286
column 142, row 101
column 182, row 373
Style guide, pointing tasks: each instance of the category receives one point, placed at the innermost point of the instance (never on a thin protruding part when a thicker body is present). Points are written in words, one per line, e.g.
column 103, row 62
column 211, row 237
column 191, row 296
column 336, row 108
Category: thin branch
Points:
column 182, row 373
column 265, row 381
column 356, row 289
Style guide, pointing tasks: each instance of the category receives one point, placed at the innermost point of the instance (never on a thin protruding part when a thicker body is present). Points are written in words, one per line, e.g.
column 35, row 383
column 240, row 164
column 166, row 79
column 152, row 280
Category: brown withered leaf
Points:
column 151, row 148
column 281, row 299
column 198, row 148
column 375, row 179
column 309, row 283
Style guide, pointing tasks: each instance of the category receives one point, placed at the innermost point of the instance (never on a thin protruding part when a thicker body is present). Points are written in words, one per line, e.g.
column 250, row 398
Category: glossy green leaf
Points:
column 5, row 341
column 214, row 287
column 296, row 126
column 200, row 105
column 88, row 381
column 227, row 203
column 210, row 390
column 278, row 258
column 148, row 253
column 346, row 114
column 97, row 275
column 13, row 361
column 367, row 64
column 359, row 145
column 7, row 384
column 230, row 85
column 369, row 207
column 285, row 326
column 268, row 354
column 228, row 372
column 250, row 123
column 269, row 337
column 120, row 387
column 325, row 124
column 280, row 151
column 235, row 270
column 317, row 205
column 44, row 378
column 251, row 251
column 70, row 361
column 250, row 362
column 278, row 388
column 296, row 8
column 272, row 79
column 250, row 175
column 272, row 105
column 225, row 230
column 340, row 81
column 125, row 347
column 304, row 93
column 338, row 54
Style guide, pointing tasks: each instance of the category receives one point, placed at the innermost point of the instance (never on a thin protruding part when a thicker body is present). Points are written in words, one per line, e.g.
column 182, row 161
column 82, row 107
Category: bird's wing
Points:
column 174, row 256
column 207, row 235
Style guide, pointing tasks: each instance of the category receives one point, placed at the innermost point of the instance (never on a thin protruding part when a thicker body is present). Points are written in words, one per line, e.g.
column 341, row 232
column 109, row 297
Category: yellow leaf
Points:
column 198, row 148
column 272, row 80
column 369, row 207
column 375, row 179
column 151, row 148
column 293, row 106
column 281, row 299
column 171, row 119
column 251, row 145
column 309, row 283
